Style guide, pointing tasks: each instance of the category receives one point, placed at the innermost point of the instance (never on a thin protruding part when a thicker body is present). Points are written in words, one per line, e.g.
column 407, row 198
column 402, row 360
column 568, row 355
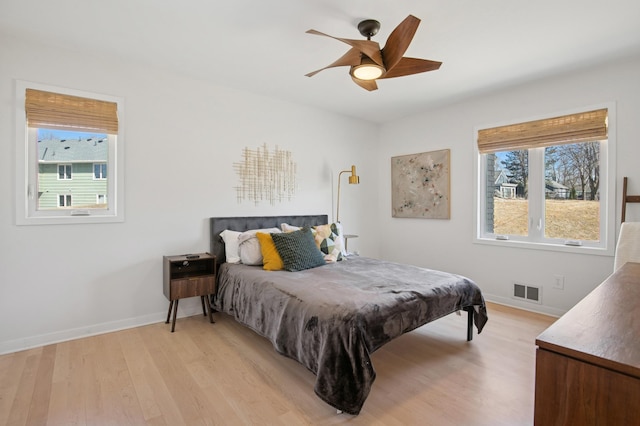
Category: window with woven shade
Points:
column 572, row 128
column 69, row 146
column 548, row 183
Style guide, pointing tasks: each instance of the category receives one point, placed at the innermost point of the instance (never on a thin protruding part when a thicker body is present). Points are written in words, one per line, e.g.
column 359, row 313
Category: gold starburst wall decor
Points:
column 266, row 175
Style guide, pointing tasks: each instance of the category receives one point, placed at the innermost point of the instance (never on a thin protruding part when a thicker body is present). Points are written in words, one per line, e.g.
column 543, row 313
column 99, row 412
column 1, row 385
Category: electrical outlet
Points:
column 558, row 282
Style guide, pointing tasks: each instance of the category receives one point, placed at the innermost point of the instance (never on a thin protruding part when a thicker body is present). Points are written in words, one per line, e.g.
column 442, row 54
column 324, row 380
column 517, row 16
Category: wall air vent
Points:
column 527, row 292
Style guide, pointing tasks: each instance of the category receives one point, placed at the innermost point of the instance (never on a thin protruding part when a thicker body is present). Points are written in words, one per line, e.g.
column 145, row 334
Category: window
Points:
column 100, row 171
column 64, row 201
column 64, row 171
column 69, row 156
column 548, row 183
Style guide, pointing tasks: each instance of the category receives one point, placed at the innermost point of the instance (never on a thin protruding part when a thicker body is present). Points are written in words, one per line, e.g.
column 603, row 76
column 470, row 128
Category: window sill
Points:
column 69, row 220
column 589, row 250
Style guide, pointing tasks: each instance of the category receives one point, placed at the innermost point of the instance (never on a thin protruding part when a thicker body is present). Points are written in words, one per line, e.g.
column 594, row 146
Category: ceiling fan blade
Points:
column 399, row 41
column 370, row 85
column 408, row 66
column 352, row 57
column 368, row 47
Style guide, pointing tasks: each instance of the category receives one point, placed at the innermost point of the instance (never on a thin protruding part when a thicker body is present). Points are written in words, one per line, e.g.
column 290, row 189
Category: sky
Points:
column 64, row 134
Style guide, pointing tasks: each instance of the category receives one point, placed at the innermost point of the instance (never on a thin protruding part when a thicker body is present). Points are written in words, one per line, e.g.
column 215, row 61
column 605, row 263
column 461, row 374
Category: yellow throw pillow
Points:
column 271, row 260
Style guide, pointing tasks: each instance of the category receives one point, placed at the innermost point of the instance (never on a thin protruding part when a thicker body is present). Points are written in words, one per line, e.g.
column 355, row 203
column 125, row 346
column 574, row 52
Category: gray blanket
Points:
column 331, row 318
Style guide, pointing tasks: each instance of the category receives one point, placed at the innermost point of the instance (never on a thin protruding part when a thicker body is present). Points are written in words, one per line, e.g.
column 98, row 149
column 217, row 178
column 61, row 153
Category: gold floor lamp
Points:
column 353, row 179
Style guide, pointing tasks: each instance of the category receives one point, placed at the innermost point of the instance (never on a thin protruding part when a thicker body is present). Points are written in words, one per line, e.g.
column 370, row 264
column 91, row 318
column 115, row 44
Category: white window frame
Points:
column 66, row 197
column 101, row 177
column 65, row 165
column 27, row 167
column 536, row 239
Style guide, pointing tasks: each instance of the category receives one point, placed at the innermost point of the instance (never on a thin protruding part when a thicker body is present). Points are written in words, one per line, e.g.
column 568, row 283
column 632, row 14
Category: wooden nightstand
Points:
column 189, row 276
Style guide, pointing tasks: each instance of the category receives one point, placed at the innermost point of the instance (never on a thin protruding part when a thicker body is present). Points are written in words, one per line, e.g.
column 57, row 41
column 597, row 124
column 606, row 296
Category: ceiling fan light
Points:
column 367, row 70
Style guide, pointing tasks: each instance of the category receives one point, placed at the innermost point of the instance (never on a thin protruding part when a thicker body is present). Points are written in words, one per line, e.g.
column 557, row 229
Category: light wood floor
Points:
column 225, row 374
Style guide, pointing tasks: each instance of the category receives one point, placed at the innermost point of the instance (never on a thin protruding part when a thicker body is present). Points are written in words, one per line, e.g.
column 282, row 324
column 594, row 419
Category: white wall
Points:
column 448, row 244
column 181, row 139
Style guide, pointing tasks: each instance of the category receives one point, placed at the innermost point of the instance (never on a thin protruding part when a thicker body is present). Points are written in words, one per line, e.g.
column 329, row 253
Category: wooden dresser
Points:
column 588, row 362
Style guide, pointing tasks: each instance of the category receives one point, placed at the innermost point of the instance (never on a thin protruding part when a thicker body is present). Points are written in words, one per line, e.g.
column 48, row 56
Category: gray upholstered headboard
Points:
column 244, row 223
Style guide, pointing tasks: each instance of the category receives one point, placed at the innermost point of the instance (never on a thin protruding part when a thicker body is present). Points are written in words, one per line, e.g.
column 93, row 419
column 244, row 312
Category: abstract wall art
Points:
column 420, row 185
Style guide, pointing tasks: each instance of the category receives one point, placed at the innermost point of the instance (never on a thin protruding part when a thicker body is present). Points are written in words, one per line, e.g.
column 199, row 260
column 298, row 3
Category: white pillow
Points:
column 231, row 243
column 249, row 246
column 288, row 228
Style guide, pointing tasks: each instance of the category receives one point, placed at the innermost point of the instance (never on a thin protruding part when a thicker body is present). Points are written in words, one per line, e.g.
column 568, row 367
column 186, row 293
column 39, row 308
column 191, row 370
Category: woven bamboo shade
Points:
column 580, row 127
column 64, row 112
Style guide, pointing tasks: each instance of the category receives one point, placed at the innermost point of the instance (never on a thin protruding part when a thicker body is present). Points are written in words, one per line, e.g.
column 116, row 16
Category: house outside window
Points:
column 548, row 183
column 68, row 142
column 79, row 151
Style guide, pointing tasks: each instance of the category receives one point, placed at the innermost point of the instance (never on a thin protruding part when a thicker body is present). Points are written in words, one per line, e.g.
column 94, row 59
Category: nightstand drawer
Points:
column 194, row 286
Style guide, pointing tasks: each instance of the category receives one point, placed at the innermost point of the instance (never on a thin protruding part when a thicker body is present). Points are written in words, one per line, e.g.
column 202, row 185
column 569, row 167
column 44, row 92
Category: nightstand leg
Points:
column 169, row 313
column 210, row 309
column 175, row 311
column 204, row 311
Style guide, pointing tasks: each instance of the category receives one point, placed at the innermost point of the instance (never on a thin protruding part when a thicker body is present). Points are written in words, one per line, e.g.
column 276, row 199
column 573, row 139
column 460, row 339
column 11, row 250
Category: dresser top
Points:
column 604, row 327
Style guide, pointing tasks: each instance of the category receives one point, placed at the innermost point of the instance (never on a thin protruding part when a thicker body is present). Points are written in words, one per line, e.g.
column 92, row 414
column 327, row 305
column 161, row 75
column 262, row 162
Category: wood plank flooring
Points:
column 225, row 374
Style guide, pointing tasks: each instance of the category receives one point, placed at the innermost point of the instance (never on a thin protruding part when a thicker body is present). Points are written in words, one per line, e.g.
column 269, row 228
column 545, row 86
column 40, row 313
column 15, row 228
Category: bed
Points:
column 333, row 317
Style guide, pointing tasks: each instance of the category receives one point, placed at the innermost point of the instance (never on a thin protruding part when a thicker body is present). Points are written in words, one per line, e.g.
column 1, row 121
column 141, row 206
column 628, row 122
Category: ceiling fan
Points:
column 369, row 63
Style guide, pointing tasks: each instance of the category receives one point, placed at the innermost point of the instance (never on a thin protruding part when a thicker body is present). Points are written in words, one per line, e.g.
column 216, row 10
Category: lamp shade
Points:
column 367, row 70
column 354, row 178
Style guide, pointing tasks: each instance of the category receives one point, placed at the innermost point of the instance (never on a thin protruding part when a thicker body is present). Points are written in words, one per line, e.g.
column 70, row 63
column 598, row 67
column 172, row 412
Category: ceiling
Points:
column 261, row 46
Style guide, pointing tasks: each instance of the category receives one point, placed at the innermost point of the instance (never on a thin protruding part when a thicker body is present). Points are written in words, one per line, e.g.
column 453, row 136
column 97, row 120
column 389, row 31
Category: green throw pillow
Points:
column 298, row 250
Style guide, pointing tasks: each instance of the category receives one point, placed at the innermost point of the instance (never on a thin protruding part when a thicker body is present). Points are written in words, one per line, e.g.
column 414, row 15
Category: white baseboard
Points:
column 526, row 306
column 108, row 327
column 16, row 345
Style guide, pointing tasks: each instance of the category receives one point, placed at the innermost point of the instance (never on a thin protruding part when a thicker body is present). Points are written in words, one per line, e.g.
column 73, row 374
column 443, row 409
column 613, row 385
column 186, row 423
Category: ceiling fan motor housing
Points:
column 368, row 28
